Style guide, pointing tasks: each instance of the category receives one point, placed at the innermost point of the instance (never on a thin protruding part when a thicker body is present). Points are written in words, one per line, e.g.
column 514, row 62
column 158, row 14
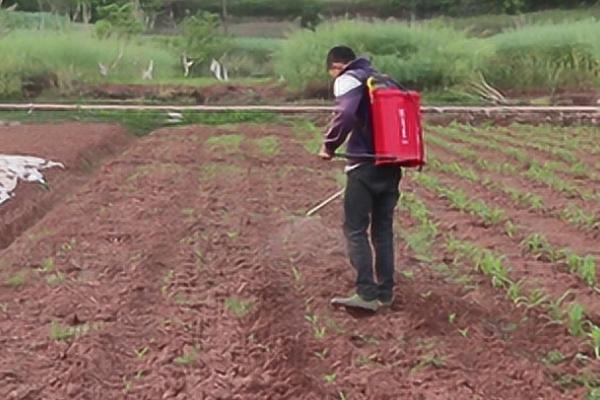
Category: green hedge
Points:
column 424, row 57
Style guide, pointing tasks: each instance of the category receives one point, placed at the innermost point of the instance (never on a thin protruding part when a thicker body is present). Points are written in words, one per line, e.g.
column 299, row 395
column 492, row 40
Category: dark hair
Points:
column 340, row 54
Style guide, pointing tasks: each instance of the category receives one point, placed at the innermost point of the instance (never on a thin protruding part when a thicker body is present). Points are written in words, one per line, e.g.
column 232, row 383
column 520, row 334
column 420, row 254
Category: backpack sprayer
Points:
column 397, row 129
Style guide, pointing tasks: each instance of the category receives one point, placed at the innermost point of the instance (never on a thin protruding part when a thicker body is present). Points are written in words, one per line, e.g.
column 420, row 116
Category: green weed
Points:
column 268, row 145
column 238, row 307
column 61, row 332
column 188, row 358
column 17, row 279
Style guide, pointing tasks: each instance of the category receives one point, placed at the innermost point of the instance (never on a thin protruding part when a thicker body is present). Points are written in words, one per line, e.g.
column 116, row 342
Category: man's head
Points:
column 338, row 59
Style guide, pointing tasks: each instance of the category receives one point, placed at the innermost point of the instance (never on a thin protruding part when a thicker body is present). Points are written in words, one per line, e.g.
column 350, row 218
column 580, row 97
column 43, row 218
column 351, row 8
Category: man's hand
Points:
column 324, row 154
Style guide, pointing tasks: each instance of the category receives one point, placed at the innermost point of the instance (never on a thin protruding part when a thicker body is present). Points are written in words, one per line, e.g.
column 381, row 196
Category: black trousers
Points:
column 371, row 196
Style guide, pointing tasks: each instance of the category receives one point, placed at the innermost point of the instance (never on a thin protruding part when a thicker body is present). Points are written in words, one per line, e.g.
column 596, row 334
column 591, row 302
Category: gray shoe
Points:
column 356, row 301
column 386, row 303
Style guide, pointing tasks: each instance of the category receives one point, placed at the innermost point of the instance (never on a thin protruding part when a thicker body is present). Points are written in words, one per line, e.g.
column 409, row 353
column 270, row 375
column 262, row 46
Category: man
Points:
column 371, row 191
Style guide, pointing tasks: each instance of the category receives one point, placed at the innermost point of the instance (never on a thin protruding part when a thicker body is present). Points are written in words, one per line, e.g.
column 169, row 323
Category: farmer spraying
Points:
column 372, row 189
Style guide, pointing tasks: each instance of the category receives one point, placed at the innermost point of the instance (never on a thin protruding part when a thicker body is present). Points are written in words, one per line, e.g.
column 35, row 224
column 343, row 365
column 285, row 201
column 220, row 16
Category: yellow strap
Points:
column 371, row 84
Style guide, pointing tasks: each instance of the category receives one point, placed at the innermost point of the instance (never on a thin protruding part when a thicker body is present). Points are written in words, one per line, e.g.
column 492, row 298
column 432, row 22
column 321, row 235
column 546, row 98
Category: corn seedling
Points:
column 329, row 378
column 594, row 336
column 514, row 291
column 238, row 307
column 187, row 358
column 297, row 275
column 452, row 318
column 429, row 360
column 47, row 265
column 61, row 332
column 536, row 298
column 464, row 332
column 576, row 320
column 554, row 357
column 141, row 353
column 555, row 309
column 578, row 217
column 322, row 355
column 17, row 279
column 510, row 229
column 55, row 279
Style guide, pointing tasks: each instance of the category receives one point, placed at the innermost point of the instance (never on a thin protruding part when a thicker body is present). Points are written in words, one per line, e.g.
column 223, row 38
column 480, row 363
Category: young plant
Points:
column 187, row 358
column 576, row 320
column 594, row 336
column 238, row 307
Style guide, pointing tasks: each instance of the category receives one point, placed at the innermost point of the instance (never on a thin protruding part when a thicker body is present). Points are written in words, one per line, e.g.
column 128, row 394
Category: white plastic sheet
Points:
column 16, row 168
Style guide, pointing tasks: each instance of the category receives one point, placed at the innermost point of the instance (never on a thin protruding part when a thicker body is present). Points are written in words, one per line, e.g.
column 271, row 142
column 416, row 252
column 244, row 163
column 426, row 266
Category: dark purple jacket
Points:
column 353, row 115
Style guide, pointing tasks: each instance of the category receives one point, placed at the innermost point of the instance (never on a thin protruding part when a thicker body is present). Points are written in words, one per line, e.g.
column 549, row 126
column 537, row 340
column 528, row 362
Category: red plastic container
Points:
column 397, row 129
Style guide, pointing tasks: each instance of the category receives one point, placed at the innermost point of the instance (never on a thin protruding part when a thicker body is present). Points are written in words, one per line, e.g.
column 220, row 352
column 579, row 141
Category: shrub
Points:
column 420, row 56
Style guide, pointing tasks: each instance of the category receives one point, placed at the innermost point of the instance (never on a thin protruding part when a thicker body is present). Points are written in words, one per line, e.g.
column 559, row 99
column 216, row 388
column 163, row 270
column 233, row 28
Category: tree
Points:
column 119, row 20
column 203, row 40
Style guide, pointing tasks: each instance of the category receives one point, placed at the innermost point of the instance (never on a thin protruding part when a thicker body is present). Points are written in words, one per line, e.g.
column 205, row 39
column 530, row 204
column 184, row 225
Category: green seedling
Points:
column 330, row 378
column 408, row 274
column 68, row 247
column 55, row 279
column 319, row 332
column 297, row 275
column 536, row 298
column 322, row 355
column 554, row 357
column 141, row 353
column 587, row 270
column 432, row 360
column 578, row 217
column 594, row 335
column 62, row 333
column 312, row 318
column 555, row 308
column 576, row 320
column 464, row 332
column 226, row 144
column 17, row 279
column 188, row 358
column 514, row 291
column 366, row 360
column 510, row 229
column 238, row 307
column 452, row 318
column 342, row 396
column 268, row 145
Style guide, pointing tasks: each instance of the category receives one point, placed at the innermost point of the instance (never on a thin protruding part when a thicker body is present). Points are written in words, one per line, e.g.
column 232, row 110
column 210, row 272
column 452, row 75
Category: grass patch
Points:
column 238, row 307
column 17, row 279
column 61, row 332
column 226, row 144
column 268, row 145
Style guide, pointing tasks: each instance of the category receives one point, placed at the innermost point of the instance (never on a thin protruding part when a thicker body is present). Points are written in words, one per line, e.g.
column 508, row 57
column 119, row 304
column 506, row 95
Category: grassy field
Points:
column 537, row 52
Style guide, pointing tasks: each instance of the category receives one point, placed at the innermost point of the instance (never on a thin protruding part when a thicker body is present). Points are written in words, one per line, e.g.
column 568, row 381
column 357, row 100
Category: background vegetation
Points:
column 509, row 44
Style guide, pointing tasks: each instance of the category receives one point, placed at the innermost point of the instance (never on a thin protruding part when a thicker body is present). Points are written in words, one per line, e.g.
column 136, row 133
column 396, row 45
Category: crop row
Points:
column 494, row 267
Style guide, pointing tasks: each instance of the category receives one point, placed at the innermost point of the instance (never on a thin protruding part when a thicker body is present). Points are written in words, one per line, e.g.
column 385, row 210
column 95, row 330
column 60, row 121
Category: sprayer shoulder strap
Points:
column 386, row 81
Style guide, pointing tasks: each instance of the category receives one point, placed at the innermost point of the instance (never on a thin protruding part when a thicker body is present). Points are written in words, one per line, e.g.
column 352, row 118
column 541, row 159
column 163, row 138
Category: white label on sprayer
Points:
column 403, row 132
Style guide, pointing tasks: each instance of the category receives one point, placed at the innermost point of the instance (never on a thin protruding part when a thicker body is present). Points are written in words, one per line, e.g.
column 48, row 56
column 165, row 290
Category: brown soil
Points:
column 184, row 271
column 79, row 147
column 214, row 94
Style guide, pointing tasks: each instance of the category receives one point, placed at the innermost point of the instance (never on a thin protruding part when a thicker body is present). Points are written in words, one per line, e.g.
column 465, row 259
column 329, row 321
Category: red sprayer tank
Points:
column 397, row 129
